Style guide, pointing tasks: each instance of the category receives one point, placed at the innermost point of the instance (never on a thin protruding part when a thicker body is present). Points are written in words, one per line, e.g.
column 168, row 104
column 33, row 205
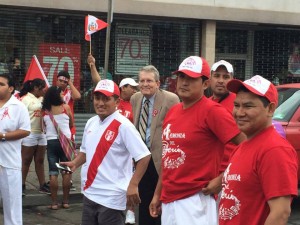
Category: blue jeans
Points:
column 55, row 154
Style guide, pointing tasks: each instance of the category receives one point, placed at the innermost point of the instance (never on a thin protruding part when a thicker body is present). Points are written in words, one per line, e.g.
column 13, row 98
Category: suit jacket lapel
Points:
column 138, row 109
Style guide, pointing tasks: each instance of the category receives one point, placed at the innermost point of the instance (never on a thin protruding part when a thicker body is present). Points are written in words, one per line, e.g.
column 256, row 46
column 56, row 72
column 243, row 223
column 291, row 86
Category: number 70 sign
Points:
column 55, row 57
column 133, row 48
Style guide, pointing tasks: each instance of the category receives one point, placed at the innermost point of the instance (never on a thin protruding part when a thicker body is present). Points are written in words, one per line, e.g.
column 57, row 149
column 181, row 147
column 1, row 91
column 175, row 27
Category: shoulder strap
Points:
column 53, row 121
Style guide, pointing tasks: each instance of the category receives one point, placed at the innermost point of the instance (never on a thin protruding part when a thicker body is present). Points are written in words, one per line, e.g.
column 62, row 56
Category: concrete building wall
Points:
column 255, row 11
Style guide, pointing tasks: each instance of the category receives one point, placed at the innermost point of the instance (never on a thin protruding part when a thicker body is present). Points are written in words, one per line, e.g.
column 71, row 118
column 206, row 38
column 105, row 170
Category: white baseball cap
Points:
column 227, row 65
column 194, row 66
column 129, row 81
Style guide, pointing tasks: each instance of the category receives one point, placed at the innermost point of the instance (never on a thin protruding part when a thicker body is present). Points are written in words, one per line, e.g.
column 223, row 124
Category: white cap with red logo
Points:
column 257, row 85
column 194, row 66
column 107, row 87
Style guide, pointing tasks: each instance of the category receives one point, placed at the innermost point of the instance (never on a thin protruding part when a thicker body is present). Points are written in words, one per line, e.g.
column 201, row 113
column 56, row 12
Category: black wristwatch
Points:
column 3, row 137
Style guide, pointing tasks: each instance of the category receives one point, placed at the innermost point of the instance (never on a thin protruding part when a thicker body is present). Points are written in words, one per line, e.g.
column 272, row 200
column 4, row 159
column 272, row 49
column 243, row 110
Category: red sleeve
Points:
column 277, row 169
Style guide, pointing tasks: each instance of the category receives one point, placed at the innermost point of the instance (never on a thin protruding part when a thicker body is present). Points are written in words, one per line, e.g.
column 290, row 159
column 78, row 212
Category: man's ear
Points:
column 272, row 107
column 206, row 84
column 118, row 101
column 11, row 89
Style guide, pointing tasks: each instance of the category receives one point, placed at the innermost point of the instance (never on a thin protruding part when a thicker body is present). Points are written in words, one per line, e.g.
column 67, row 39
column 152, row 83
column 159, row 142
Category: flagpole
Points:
column 109, row 20
column 90, row 44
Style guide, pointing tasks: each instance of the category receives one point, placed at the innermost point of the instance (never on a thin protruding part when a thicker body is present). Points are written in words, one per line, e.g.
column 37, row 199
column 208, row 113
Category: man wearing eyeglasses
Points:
column 159, row 102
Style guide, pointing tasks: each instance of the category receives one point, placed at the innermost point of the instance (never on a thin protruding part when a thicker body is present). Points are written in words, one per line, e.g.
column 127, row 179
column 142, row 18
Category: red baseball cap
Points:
column 107, row 87
column 194, row 66
column 257, row 85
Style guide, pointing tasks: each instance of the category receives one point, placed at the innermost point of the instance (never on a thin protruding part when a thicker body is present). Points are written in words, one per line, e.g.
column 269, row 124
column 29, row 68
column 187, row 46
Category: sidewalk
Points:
column 34, row 198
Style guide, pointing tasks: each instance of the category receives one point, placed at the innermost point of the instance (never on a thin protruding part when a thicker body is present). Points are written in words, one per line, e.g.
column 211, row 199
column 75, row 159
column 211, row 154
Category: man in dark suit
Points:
column 160, row 102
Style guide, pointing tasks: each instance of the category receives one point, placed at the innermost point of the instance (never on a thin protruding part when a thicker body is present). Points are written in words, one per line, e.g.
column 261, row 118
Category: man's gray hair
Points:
column 151, row 69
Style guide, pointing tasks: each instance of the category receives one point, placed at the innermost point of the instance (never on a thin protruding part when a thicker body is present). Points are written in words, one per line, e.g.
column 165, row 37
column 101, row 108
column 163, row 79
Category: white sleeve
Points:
column 24, row 119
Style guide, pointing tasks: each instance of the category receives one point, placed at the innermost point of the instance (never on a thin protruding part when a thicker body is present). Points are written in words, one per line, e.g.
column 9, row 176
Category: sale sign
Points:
column 55, row 57
column 133, row 48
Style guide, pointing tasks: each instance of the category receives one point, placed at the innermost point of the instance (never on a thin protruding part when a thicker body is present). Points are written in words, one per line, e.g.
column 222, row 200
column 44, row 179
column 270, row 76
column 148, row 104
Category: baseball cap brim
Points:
column 106, row 93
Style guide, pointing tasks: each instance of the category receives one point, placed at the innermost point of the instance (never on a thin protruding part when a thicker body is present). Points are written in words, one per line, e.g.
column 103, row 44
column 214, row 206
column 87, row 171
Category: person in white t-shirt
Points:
column 14, row 125
column 53, row 104
column 109, row 142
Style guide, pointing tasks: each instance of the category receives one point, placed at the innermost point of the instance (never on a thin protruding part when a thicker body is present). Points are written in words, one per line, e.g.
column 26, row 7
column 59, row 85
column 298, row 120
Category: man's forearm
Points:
column 80, row 159
column 94, row 73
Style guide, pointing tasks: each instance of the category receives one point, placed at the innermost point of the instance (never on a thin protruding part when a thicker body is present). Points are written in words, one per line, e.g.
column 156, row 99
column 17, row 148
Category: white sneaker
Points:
column 130, row 218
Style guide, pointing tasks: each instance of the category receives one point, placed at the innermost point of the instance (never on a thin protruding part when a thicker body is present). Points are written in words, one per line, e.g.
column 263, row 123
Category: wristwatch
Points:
column 3, row 137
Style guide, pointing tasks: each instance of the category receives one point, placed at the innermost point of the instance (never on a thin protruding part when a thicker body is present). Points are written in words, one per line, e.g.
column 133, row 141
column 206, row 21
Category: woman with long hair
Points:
column 53, row 104
column 34, row 145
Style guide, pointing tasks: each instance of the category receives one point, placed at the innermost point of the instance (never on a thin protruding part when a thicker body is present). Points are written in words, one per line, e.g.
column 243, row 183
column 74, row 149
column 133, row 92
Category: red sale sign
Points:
column 55, row 57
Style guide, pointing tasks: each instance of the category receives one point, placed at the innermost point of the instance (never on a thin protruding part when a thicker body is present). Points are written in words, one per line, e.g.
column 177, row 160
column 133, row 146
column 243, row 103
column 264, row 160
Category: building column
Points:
column 208, row 45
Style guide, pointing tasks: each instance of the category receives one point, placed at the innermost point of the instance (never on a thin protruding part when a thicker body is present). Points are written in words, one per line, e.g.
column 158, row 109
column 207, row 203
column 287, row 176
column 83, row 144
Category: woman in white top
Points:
column 34, row 145
column 53, row 104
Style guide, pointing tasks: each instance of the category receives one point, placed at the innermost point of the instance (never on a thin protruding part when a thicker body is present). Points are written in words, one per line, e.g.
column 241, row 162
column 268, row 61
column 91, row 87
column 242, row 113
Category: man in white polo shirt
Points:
column 109, row 142
column 14, row 125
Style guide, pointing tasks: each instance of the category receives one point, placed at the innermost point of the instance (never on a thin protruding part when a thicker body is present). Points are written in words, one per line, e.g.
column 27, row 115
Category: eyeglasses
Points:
column 146, row 81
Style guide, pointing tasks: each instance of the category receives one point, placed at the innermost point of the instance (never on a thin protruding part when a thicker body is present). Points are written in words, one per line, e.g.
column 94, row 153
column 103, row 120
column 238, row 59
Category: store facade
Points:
column 56, row 37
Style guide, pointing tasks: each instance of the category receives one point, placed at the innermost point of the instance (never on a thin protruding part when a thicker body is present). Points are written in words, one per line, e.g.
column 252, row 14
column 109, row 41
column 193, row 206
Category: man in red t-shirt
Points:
column 193, row 138
column 261, row 178
column 128, row 87
column 220, row 74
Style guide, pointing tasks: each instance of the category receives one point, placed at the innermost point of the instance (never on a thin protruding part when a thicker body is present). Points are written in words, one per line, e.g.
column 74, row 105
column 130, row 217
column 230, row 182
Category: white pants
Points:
column 11, row 194
column 198, row 209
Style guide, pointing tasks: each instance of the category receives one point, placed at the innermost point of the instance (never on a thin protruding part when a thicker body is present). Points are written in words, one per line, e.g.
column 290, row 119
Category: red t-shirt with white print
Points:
column 261, row 168
column 193, row 145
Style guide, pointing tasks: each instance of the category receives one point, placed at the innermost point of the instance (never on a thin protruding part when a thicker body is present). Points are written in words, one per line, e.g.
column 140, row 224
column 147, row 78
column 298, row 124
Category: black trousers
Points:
column 146, row 189
column 96, row 214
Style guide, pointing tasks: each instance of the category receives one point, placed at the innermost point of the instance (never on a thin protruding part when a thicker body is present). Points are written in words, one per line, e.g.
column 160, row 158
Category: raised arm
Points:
column 74, row 92
column 94, row 73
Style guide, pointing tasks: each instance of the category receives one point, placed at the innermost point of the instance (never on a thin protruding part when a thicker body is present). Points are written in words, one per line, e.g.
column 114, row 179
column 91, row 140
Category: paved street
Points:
column 40, row 215
column 35, row 211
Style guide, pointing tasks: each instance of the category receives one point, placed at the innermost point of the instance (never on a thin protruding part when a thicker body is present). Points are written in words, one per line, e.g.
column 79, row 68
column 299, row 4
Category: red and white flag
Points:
column 92, row 25
column 35, row 71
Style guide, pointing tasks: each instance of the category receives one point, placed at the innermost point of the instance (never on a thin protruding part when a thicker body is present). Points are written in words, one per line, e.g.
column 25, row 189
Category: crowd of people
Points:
column 179, row 158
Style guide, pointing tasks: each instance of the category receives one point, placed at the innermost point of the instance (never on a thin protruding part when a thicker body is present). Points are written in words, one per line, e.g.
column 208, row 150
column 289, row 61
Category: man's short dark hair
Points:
column 10, row 80
column 64, row 73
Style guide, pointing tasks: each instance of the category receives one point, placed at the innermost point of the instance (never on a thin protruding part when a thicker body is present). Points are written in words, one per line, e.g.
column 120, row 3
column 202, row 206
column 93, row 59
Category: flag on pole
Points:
column 92, row 25
column 35, row 71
